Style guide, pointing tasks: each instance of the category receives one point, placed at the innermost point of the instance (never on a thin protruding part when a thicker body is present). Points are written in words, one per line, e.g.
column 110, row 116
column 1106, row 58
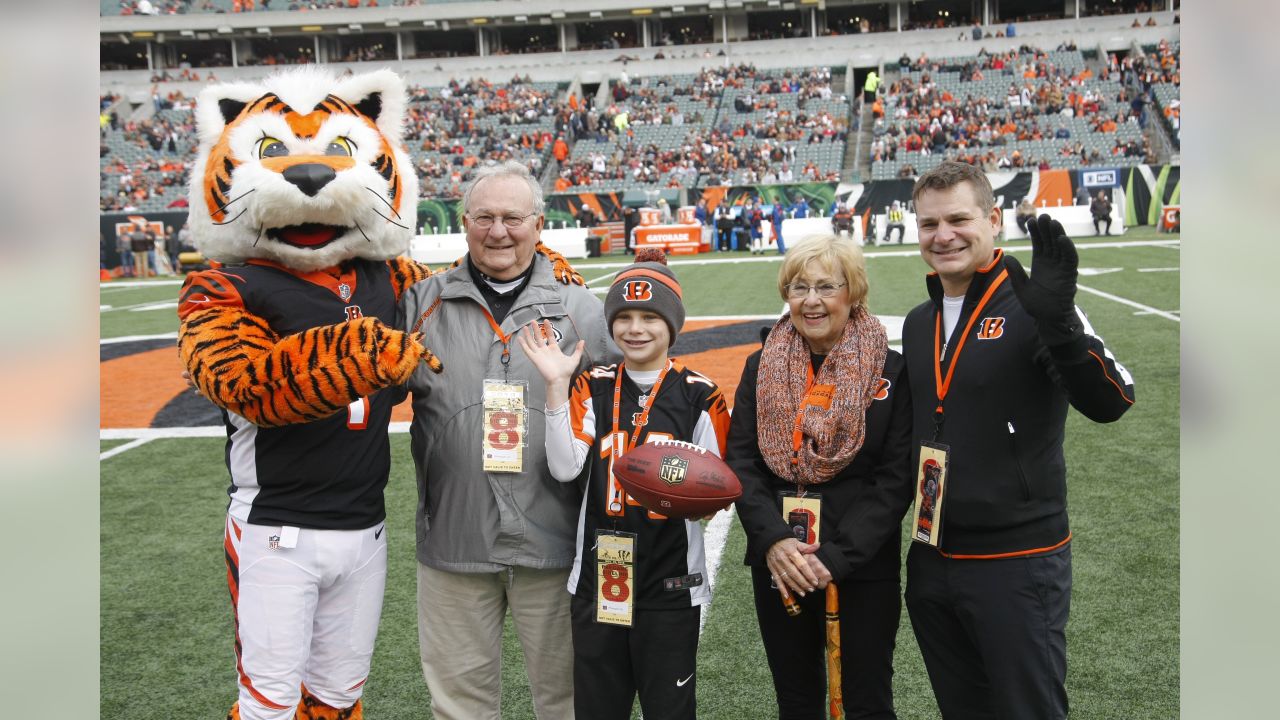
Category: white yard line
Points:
column 713, row 541
column 1171, row 269
column 141, row 307
column 872, row 253
column 1125, row 301
column 123, row 448
column 136, row 338
column 217, row 431
column 120, row 284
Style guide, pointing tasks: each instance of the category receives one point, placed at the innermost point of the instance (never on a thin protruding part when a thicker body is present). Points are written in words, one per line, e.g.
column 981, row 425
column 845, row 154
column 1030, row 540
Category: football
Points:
column 677, row 479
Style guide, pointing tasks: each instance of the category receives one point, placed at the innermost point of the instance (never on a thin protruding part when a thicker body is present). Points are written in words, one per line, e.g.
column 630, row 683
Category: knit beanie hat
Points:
column 648, row 284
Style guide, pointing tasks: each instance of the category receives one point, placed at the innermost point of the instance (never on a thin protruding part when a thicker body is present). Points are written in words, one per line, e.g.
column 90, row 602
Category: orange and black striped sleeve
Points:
column 243, row 366
column 405, row 272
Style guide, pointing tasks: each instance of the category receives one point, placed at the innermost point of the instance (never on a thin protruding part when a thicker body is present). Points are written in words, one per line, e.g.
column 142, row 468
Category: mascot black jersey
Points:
column 670, row 565
column 328, row 473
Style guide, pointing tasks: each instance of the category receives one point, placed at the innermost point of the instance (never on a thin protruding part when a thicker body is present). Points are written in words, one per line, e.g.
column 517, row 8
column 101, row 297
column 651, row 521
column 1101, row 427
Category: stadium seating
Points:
column 460, row 124
column 951, row 87
column 167, row 7
column 716, row 121
column 736, row 125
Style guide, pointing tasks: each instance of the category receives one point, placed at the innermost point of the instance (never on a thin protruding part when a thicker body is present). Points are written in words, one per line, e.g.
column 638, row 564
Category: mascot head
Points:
column 304, row 169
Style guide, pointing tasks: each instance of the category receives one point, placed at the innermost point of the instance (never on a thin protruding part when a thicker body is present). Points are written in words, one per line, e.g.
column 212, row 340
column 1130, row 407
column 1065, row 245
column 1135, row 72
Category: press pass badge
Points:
column 505, row 421
column 803, row 514
column 931, row 483
column 615, row 577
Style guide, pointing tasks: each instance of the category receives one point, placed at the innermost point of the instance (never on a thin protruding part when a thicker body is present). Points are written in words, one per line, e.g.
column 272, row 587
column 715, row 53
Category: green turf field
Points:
column 166, row 635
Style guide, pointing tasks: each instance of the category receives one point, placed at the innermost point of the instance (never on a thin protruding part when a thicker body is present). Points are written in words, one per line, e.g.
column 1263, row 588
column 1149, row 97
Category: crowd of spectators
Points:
column 182, row 7
column 449, row 129
column 149, row 181
column 918, row 115
column 729, row 125
column 145, row 162
column 1152, row 78
column 751, row 139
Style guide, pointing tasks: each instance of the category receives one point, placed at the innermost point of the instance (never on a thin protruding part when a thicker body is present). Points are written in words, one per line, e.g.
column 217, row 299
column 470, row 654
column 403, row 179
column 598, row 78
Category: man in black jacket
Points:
column 996, row 357
column 1100, row 209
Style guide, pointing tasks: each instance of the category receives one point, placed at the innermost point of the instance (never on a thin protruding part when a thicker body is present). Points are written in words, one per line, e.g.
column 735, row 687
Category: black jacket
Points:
column 1004, row 415
column 862, row 506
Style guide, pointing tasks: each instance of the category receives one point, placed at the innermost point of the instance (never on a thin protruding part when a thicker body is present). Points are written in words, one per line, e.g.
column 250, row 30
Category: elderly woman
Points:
column 820, row 439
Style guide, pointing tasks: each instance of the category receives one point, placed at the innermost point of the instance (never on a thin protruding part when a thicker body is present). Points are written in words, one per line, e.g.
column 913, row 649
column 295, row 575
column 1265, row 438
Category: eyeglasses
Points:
column 512, row 221
column 799, row 291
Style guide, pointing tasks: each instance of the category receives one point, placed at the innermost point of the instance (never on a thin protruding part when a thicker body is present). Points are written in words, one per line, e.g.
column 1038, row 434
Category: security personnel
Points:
column 870, row 87
column 842, row 220
column 894, row 218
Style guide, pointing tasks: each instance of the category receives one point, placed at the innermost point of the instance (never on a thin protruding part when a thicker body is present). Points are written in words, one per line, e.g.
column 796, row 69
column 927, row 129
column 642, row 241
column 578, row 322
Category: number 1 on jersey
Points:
column 615, row 497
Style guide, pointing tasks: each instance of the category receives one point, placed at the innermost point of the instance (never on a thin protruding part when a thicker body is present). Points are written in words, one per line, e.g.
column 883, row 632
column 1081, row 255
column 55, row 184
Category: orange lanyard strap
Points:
column 644, row 409
column 797, row 430
column 943, row 385
column 506, row 339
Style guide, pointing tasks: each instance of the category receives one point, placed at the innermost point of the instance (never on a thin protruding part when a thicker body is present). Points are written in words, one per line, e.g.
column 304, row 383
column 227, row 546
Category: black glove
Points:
column 1049, row 295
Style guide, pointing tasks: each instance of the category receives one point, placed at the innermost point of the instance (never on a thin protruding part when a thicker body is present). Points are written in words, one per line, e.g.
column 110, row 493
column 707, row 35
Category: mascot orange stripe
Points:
column 222, row 162
column 271, row 381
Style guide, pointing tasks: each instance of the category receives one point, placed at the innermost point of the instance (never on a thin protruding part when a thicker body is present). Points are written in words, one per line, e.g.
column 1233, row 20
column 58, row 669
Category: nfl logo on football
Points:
column 673, row 469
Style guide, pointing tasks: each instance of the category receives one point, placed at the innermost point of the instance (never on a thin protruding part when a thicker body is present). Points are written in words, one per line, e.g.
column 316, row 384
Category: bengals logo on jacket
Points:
column 990, row 328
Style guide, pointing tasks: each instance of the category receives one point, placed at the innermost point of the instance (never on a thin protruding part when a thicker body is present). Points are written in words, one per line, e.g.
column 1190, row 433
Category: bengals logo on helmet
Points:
column 991, row 328
column 882, row 389
column 637, row 291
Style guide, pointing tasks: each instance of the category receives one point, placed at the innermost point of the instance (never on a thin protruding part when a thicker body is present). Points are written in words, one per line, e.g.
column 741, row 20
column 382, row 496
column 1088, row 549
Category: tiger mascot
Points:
column 303, row 194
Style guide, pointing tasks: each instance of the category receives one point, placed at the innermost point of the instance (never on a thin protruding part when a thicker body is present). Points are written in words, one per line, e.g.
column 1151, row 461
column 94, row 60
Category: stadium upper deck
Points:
column 180, row 53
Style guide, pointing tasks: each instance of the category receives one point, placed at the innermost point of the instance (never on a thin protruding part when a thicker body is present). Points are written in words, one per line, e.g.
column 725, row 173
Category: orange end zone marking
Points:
column 134, row 388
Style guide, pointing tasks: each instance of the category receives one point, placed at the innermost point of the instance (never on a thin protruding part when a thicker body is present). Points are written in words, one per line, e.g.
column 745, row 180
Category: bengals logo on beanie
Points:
column 648, row 284
column 637, row 291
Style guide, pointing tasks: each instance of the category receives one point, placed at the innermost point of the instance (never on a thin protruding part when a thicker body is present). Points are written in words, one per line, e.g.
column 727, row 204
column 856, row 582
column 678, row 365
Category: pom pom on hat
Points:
column 651, row 254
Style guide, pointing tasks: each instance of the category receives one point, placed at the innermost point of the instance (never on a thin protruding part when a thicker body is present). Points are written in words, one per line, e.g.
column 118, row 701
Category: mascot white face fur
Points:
column 304, row 169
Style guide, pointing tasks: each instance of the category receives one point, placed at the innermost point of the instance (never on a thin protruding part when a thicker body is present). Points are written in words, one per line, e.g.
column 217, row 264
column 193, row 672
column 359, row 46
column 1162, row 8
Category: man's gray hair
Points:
column 508, row 168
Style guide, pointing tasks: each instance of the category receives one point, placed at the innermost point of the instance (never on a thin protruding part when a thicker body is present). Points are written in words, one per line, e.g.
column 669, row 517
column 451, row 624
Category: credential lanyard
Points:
column 943, row 385
column 504, row 339
column 797, row 430
column 644, row 409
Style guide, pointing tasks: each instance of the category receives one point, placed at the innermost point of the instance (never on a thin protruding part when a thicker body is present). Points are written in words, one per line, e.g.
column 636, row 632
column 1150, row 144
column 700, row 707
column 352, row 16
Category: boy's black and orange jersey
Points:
column 327, row 473
column 688, row 407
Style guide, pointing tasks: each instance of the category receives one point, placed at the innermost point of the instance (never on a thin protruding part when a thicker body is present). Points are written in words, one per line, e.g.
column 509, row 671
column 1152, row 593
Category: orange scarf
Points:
column 832, row 432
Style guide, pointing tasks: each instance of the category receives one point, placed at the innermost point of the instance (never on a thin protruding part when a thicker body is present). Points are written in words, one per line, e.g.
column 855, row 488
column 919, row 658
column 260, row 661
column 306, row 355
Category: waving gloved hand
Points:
column 1048, row 295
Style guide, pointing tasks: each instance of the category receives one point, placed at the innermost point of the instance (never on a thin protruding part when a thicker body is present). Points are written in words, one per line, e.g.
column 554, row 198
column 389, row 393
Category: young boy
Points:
column 639, row 579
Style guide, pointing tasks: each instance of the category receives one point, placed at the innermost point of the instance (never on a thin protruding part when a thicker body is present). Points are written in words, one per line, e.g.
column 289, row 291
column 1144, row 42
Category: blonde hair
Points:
column 838, row 255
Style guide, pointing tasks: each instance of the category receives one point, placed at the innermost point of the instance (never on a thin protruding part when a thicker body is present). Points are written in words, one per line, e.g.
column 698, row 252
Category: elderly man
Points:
column 495, row 530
